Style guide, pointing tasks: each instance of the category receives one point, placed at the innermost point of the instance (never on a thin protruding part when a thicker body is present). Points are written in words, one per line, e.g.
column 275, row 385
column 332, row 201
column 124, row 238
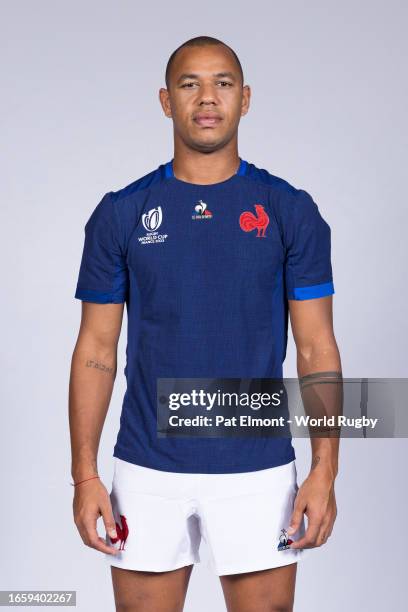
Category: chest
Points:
column 206, row 239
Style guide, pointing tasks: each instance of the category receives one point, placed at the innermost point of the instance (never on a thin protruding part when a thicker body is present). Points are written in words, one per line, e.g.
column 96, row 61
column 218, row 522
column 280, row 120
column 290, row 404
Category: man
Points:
column 210, row 254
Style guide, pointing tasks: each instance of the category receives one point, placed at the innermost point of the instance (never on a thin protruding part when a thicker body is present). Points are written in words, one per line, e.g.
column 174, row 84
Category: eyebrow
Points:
column 197, row 76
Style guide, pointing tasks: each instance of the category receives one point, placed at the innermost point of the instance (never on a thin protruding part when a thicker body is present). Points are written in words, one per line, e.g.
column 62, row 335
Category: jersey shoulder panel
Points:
column 128, row 203
column 153, row 178
column 265, row 177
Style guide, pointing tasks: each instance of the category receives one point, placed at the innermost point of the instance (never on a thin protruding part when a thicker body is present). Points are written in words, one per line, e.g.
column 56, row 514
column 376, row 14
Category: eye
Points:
column 188, row 85
column 223, row 83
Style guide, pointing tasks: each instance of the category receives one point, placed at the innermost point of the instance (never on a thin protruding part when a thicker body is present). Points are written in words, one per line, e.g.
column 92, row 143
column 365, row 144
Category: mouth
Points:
column 207, row 119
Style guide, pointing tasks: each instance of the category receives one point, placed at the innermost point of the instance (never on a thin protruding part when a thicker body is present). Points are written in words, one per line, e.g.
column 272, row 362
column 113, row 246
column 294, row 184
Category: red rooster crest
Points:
column 122, row 531
column 248, row 221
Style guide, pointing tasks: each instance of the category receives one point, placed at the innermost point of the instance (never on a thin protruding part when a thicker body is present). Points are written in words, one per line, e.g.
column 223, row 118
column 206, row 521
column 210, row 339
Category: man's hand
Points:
column 316, row 499
column 91, row 500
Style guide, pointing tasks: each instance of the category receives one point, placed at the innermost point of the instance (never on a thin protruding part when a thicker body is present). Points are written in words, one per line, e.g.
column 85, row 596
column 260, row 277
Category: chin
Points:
column 207, row 144
column 207, row 147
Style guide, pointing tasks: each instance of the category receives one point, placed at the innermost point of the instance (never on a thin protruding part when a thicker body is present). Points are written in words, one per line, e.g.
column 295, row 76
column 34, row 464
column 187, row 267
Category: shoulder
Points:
column 146, row 182
column 119, row 209
column 276, row 184
column 284, row 197
column 127, row 202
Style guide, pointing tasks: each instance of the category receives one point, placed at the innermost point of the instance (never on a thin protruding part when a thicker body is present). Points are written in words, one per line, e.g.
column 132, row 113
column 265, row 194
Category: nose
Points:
column 207, row 94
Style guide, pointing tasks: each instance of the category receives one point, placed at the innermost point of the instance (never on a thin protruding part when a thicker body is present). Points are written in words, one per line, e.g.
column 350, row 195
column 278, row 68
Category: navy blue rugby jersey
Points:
column 206, row 272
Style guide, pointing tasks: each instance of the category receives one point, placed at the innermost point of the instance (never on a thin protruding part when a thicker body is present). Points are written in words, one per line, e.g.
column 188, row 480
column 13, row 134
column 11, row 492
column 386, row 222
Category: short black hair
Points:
column 201, row 41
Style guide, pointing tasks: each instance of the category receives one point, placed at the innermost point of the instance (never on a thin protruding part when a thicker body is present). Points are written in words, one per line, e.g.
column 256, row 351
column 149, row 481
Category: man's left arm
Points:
column 317, row 353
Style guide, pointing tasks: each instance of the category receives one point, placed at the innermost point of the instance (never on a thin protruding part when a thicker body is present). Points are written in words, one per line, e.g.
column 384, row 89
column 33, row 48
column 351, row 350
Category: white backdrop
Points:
column 82, row 117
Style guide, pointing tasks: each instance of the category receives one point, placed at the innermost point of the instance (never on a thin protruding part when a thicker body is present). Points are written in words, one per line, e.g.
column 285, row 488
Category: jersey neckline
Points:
column 169, row 174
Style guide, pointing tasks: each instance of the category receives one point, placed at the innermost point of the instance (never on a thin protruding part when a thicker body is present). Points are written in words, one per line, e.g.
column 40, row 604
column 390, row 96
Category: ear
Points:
column 246, row 98
column 164, row 98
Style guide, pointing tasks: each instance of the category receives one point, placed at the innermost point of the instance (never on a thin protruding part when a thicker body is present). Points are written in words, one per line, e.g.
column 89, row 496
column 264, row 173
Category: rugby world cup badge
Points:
column 151, row 221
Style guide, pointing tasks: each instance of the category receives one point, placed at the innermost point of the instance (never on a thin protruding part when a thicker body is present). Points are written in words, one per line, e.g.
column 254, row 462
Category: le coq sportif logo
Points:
column 284, row 540
column 201, row 211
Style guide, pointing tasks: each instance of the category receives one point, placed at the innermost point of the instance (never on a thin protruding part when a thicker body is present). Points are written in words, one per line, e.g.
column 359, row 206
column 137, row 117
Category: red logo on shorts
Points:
column 122, row 531
column 248, row 221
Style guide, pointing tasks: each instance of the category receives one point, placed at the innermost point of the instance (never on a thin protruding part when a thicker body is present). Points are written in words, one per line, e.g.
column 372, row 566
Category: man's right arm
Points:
column 93, row 372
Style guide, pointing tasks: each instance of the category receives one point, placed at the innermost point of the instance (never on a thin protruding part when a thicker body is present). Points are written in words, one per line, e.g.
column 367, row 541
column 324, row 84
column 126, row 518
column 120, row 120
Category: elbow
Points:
column 319, row 356
column 96, row 350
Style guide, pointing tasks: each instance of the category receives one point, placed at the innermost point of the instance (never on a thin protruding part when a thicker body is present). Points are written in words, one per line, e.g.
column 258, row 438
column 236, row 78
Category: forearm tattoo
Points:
column 322, row 398
column 320, row 378
column 100, row 366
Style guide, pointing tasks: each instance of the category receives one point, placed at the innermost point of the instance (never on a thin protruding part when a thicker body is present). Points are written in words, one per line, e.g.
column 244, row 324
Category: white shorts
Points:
column 161, row 517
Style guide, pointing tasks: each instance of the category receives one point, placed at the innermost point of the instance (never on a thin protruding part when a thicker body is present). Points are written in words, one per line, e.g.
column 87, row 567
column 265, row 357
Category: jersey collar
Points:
column 168, row 168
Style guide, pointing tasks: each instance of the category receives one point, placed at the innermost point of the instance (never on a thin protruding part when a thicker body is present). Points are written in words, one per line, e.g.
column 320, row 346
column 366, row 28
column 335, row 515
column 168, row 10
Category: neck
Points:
column 205, row 168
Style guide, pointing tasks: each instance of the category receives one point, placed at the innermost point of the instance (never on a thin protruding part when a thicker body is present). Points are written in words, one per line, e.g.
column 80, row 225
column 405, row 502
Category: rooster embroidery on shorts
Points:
column 248, row 221
column 284, row 540
column 122, row 531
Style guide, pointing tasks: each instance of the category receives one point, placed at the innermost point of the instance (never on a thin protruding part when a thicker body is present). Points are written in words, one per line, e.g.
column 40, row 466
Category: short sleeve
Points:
column 103, row 274
column 308, row 269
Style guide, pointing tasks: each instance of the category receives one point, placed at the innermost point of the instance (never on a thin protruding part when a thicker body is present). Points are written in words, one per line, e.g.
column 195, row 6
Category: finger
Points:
column 329, row 532
column 309, row 539
column 108, row 520
column 100, row 544
column 110, row 550
column 93, row 540
column 296, row 518
column 323, row 534
column 325, row 531
column 321, row 539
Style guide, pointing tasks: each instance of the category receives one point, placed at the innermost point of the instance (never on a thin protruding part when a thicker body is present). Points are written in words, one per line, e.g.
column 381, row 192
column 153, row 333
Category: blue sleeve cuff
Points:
column 87, row 295
column 313, row 291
